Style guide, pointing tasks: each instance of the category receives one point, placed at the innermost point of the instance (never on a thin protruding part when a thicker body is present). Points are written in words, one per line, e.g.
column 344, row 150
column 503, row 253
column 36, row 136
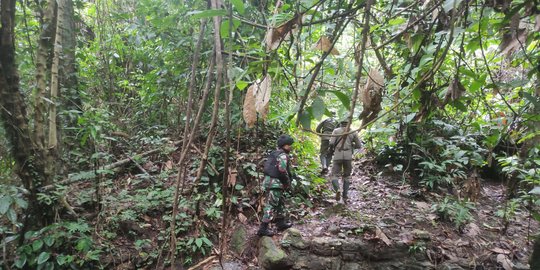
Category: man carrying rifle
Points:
column 343, row 147
column 277, row 180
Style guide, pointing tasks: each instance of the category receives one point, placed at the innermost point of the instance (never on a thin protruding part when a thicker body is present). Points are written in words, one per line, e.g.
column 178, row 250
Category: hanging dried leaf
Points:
column 232, row 178
column 358, row 50
column 514, row 37
column 275, row 35
column 372, row 96
column 324, row 44
column 249, row 112
column 455, row 91
column 262, row 95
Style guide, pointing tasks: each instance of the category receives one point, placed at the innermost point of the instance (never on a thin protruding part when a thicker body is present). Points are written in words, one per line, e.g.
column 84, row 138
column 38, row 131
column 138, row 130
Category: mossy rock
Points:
column 271, row 257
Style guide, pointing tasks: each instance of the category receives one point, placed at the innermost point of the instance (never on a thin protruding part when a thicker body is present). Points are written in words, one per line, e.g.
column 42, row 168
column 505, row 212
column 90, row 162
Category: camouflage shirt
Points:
column 283, row 167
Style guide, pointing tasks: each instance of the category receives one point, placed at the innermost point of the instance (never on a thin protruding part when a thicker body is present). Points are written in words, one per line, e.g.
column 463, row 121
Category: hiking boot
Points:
column 338, row 196
column 282, row 224
column 264, row 231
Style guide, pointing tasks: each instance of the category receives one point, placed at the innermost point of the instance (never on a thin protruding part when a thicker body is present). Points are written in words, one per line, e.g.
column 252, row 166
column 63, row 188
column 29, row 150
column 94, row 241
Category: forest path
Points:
column 389, row 211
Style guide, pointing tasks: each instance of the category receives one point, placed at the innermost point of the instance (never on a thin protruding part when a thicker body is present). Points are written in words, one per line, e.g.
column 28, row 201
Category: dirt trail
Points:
column 385, row 209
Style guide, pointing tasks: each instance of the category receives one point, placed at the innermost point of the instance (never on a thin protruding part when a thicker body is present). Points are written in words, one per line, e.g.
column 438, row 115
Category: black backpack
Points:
column 329, row 125
column 271, row 164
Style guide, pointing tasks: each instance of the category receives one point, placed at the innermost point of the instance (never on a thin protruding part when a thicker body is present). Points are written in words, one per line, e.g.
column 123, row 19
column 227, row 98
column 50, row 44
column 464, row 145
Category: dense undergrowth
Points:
column 121, row 216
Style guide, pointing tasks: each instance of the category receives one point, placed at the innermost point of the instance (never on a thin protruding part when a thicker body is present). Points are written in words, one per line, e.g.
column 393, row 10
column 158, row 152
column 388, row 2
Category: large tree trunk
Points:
column 54, row 88
column 42, row 57
column 29, row 160
column 69, row 98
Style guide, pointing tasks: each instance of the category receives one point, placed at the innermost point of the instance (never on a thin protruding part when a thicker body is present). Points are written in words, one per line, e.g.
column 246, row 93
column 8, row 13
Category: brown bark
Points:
column 365, row 34
column 42, row 57
column 29, row 160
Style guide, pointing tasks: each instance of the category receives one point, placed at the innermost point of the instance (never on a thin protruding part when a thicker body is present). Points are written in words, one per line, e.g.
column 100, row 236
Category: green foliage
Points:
column 12, row 202
column 456, row 211
column 64, row 245
column 417, row 248
column 526, row 173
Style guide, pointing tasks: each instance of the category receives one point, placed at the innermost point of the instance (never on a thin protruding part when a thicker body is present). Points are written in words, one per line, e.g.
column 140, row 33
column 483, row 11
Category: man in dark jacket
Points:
column 326, row 127
column 277, row 180
column 343, row 147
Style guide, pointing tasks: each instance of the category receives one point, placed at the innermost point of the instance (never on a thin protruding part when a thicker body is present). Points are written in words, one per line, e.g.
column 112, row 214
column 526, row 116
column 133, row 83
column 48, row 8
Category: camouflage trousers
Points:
column 274, row 205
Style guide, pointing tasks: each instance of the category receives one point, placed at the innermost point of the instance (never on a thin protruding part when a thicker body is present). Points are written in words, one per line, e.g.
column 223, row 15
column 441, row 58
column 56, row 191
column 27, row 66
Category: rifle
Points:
column 332, row 147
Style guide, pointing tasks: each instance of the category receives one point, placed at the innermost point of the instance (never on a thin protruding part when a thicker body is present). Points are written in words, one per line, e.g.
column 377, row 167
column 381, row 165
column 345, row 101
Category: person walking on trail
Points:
column 343, row 147
column 326, row 127
column 277, row 181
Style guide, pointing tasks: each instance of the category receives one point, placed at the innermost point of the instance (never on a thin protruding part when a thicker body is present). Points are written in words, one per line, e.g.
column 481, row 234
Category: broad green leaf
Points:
column 84, row 244
column 318, row 108
column 416, row 94
column 5, row 202
column 467, row 72
column 529, row 136
column 535, row 190
column 396, row 21
column 61, row 259
column 425, row 59
column 36, row 245
column 417, row 41
column 21, row 203
column 43, row 257
column 492, row 140
column 409, row 117
column 11, row 215
column 20, row 261
column 459, row 105
column 534, row 100
column 345, row 100
column 49, row 241
column 207, row 242
column 224, row 29
column 241, row 85
column 197, row 14
column 198, row 242
column 239, row 6
column 475, row 86
column 10, row 238
column 535, row 215
column 305, row 119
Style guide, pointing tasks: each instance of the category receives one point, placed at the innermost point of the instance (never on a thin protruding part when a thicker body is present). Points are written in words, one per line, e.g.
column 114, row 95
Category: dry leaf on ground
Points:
column 380, row 234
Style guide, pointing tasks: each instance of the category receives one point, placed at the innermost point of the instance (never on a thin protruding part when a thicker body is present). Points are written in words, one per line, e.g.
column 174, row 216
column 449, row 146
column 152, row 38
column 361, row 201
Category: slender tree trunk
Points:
column 69, row 99
column 186, row 143
column 216, row 4
column 365, row 35
column 42, row 57
column 226, row 171
column 54, row 88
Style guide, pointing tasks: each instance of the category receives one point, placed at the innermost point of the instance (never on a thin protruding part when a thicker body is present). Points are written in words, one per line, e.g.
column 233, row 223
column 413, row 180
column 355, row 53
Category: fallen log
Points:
column 91, row 174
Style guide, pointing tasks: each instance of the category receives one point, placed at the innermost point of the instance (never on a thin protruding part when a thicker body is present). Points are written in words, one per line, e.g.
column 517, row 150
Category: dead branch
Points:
column 111, row 166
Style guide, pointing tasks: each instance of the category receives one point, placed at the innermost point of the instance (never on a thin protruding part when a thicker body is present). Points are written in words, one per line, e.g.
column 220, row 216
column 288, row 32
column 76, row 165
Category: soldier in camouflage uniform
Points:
column 343, row 147
column 326, row 127
column 277, row 180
